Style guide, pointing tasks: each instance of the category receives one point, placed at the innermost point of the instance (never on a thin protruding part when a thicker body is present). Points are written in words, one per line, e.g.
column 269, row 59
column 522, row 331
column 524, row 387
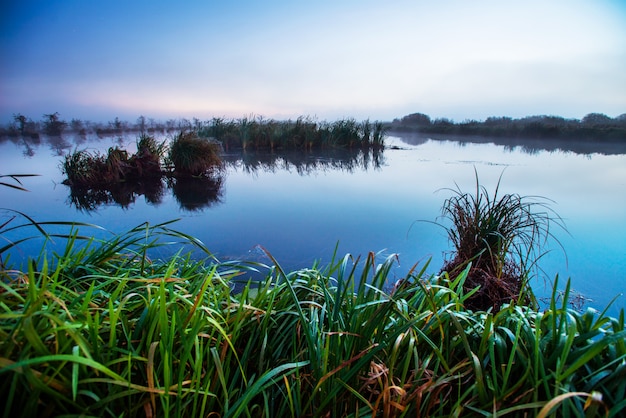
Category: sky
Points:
column 326, row 59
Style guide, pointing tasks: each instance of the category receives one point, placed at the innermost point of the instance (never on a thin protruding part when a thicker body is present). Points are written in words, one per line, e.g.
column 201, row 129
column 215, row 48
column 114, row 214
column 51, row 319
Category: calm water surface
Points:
column 301, row 207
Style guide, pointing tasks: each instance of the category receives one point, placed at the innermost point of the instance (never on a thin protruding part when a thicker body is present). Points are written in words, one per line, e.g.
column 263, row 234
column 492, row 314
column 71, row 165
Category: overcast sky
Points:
column 326, row 58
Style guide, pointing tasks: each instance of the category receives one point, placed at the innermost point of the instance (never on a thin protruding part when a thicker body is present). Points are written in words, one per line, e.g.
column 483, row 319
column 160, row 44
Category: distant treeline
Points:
column 257, row 132
column 596, row 126
column 53, row 125
column 253, row 132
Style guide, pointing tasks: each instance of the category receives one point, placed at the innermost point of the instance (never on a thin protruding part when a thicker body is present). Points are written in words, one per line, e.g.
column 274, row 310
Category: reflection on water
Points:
column 122, row 194
column 60, row 144
column 197, row 194
column 306, row 162
column 531, row 146
column 192, row 194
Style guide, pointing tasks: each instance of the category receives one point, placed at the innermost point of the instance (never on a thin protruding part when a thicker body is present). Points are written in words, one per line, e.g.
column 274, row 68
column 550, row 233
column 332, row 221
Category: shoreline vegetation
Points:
column 103, row 330
column 198, row 152
column 189, row 165
column 102, row 327
column 246, row 133
column 118, row 177
column 257, row 132
column 198, row 193
column 594, row 133
column 592, row 127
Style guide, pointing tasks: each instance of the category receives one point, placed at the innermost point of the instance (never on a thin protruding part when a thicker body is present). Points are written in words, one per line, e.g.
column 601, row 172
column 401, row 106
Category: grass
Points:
column 116, row 177
column 258, row 133
column 87, row 170
column 105, row 329
column 501, row 236
column 14, row 181
column 193, row 156
column 119, row 178
column 147, row 161
column 197, row 153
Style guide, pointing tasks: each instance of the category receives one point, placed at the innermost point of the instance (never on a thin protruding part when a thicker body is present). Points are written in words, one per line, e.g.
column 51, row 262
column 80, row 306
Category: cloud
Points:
column 329, row 58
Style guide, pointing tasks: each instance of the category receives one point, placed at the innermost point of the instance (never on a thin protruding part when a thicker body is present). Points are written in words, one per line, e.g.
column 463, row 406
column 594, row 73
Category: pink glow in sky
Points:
column 329, row 59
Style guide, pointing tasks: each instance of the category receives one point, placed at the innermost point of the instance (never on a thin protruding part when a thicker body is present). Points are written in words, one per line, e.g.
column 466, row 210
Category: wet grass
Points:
column 106, row 329
column 501, row 238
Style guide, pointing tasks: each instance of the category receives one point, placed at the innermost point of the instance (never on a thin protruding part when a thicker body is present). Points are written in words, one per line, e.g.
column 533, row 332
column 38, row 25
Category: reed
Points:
column 83, row 168
column 146, row 162
column 107, row 329
column 304, row 133
column 86, row 169
column 98, row 175
column 104, row 327
column 194, row 156
column 14, row 182
column 502, row 237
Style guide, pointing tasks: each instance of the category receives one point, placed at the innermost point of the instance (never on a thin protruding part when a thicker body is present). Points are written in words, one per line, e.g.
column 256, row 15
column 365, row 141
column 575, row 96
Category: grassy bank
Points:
column 101, row 329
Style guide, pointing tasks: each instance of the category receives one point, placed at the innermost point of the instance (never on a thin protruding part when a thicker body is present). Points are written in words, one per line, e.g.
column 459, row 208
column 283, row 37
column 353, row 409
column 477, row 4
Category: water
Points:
column 301, row 207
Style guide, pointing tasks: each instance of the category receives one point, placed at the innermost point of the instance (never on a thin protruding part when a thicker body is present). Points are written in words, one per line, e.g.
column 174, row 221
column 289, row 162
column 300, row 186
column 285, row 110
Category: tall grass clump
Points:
column 501, row 236
column 94, row 170
column 83, row 168
column 194, row 156
column 116, row 177
column 146, row 162
column 187, row 163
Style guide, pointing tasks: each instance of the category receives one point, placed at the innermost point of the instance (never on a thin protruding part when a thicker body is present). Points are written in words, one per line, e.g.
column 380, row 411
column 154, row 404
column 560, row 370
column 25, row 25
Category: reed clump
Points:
column 304, row 133
column 500, row 238
column 186, row 155
column 106, row 329
column 92, row 170
column 190, row 166
column 194, row 156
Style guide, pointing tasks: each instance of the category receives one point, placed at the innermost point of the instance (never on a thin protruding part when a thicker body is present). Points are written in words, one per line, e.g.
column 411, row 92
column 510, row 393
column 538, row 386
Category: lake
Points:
column 301, row 206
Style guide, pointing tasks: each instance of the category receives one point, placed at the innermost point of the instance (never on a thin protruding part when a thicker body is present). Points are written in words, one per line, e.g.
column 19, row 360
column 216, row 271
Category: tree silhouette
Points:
column 21, row 120
column 53, row 126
